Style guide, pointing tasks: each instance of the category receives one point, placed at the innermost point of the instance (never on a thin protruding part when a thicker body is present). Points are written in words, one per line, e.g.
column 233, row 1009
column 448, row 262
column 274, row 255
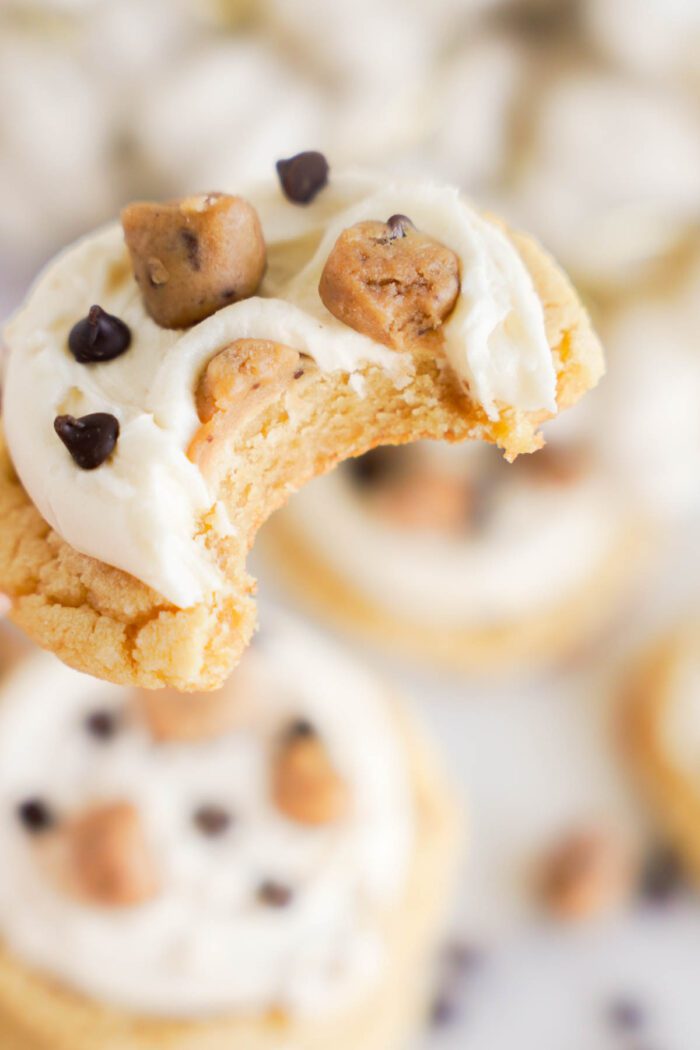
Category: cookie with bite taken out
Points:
column 140, row 459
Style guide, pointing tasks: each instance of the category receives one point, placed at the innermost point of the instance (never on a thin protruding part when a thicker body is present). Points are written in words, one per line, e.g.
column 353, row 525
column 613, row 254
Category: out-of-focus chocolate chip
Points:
column 662, row 877
column 373, row 467
column 98, row 337
column 212, row 820
column 35, row 815
column 300, row 728
column 103, row 725
column 626, row 1015
column 462, row 959
column 89, row 439
column 303, row 176
column 444, row 1011
column 275, row 894
column 398, row 225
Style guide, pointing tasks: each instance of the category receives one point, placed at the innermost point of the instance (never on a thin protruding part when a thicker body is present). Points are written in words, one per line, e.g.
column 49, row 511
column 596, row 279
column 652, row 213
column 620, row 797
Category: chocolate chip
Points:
column 662, row 876
column 275, row 894
column 303, row 176
column 89, row 439
column 298, row 374
column 98, row 337
column 212, row 820
column 103, row 725
column 444, row 1011
column 191, row 242
column 399, row 225
column 300, row 728
column 462, row 959
column 626, row 1015
column 373, row 468
column 35, row 815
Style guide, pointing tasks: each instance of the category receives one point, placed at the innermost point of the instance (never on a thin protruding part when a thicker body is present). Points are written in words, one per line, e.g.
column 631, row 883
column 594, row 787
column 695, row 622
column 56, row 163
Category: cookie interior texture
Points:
column 103, row 620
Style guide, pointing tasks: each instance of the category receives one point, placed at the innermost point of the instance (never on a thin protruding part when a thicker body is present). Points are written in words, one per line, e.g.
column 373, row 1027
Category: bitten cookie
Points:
column 274, row 875
column 141, row 460
column 661, row 736
column 449, row 555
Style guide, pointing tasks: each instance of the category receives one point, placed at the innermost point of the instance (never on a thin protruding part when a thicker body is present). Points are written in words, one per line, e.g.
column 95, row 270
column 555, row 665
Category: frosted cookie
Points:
column 141, row 459
column 655, row 335
column 450, row 555
column 275, row 880
column 661, row 736
column 607, row 178
column 659, row 37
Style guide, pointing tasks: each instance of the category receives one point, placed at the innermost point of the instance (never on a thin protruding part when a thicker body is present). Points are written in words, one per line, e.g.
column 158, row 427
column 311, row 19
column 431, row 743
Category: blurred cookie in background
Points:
column 224, row 114
column 661, row 736
column 652, row 390
column 653, row 37
column 607, row 176
column 452, row 556
column 268, row 863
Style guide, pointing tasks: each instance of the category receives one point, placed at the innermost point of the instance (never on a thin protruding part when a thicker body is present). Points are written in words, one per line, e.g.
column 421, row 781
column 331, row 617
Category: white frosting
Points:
column 539, row 542
column 681, row 724
column 205, row 944
column 140, row 510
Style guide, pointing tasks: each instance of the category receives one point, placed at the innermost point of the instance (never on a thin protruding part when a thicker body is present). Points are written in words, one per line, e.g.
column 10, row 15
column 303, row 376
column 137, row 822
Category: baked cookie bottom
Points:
column 103, row 621
column 671, row 793
column 36, row 1013
column 544, row 639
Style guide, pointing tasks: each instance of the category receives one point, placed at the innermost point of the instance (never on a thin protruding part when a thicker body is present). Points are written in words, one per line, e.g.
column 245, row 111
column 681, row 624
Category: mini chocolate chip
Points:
column 89, row 439
column 662, row 876
column 626, row 1015
column 462, row 959
column 372, row 468
column 399, row 225
column 191, row 242
column 299, row 729
column 275, row 894
column 98, row 337
column 444, row 1011
column 35, row 815
column 212, row 820
column 298, row 374
column 102, row 724
column 303, row 176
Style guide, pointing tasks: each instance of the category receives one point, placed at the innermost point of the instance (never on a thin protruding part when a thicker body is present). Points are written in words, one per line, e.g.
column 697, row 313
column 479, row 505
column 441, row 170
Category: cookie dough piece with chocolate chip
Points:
column 390, row 282
column 194, row 256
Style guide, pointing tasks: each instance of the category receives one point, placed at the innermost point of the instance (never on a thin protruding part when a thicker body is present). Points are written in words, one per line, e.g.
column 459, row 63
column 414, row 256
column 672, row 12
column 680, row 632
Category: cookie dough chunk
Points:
column 106, row 858
column 194, row 256
column 390, row 282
